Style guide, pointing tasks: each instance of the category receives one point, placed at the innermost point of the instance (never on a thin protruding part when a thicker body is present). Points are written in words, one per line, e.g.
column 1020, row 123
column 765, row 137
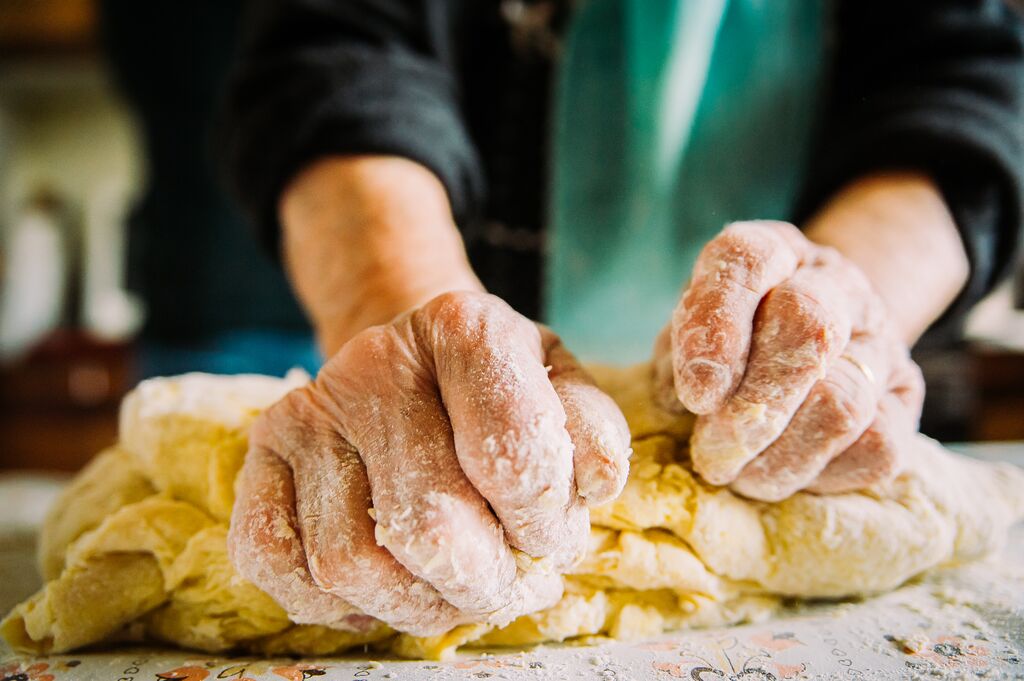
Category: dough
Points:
column 135, row 547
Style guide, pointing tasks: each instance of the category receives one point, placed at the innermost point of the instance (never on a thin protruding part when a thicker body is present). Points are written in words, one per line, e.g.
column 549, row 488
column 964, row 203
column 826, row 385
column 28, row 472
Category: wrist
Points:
column 374, row 302
column 897, row 229
column 366, row 238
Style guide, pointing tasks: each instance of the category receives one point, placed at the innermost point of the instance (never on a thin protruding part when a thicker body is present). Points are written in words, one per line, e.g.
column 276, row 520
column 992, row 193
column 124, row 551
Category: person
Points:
column 439, row 468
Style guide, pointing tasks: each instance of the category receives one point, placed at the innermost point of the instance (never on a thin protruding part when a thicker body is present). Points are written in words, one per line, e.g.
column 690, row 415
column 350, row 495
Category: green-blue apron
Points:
column 672, row 118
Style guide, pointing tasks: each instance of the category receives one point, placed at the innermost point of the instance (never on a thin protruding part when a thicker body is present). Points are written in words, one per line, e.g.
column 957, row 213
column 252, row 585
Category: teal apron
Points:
column 672, row 118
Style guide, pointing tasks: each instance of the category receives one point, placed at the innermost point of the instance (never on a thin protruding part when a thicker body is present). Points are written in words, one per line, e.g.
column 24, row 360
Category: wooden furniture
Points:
column 47, row 26
column 998, row 379
column 59, row 406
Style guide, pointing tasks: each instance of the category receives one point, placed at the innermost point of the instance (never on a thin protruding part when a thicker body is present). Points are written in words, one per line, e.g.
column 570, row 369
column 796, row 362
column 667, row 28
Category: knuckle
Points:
column 368, row 347
column 842, row 407
column 292, row 404
column 369, row 363
column 459, row 299
column 460, row 311
column 802, row 315
column 804, row 307
column 460, row 319
column 254, row 556
column 260, row 433
column 872, row 446
column 885, row 461
column 524, row 466
column 827, row 256
column 731, row 240
column 913, row 379
column 751, row 243
column 284, row 423
column 333, row 572
column 739, row 247
column 876, row 454
column 450, row 305
column 238, row 544
column 906, row 384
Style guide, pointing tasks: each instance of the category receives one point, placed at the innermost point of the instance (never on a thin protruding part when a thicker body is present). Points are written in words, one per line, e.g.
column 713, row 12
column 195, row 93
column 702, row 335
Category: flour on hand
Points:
column 135, row 548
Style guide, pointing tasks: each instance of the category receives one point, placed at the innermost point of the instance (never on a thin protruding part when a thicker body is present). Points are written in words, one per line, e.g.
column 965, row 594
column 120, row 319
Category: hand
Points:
column 437, row 472
column 791, row 361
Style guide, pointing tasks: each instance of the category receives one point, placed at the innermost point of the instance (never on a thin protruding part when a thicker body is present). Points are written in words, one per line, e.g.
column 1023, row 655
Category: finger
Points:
column 664, row 390
column 265, row 548
column 333, row 508
column 800, row 328
column 595, row 424
column 428, row 514
column 509, row 424
column 711, row 327
column 838, row 409
column 907, row 384
column 532, row 592
column 874, row 457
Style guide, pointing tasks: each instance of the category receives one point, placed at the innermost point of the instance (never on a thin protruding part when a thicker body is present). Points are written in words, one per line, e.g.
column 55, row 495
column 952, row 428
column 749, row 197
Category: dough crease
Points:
column 135, row 547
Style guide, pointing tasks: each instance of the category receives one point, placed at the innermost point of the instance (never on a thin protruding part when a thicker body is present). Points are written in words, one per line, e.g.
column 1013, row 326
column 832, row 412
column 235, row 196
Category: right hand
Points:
column 422, row 475
column 794, row 365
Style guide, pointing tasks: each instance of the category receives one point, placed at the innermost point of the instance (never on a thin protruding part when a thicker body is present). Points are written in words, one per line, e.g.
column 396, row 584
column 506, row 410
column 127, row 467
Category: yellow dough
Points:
column 135, row 547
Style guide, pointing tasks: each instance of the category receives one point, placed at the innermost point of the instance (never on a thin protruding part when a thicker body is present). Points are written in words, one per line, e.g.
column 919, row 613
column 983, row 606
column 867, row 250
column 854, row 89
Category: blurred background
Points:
column 84, row 132
column 108, row 189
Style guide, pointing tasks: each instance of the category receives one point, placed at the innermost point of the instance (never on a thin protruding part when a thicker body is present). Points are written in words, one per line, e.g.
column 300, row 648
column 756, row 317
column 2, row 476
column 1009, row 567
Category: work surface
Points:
column 961, row 623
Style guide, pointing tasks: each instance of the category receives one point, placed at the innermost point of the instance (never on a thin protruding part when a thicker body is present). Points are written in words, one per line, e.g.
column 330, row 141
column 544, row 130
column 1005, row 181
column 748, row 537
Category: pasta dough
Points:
column 135, row 548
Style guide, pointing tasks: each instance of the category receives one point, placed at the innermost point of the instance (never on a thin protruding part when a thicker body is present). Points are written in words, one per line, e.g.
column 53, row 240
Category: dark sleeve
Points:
column 936, row 86
column 322, row 77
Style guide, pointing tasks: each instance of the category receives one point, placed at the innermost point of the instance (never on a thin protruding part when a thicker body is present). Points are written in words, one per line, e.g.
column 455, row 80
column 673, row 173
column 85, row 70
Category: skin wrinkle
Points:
column 839, row 411
column 393, row 424
column 828, row 422
column 533, row 461
column 362, row 572
column 317, row 231
column 793, row 240
column 875, row 456
column 756, row 348
column 786, row 358
column 732, row 274
column 258, row 518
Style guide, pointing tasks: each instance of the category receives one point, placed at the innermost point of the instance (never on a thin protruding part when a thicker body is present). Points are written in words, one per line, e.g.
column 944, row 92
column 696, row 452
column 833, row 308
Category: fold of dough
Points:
column 114, row 478
column 135, row 547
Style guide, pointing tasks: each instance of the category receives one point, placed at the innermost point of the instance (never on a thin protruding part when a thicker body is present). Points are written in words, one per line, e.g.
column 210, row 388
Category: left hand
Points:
column 791, row 361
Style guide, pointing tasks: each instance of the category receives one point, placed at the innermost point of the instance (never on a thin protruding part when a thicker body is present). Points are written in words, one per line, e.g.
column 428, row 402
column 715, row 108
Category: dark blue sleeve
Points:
column 935, row 86
column 322, row 77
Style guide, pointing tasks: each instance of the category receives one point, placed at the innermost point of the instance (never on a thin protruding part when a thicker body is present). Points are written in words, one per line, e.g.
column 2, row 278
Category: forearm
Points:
column 366, row 238
column 897, row 229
